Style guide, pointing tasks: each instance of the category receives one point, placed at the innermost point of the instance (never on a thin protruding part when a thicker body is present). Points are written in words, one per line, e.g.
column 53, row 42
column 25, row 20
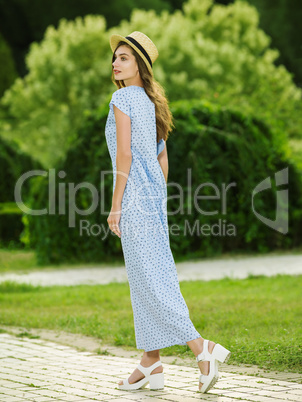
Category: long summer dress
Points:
column 161, row 316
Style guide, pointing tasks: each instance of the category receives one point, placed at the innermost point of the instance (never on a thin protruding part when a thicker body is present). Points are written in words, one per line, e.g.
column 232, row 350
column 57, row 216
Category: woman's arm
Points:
column 164, row 163
column 123, row 155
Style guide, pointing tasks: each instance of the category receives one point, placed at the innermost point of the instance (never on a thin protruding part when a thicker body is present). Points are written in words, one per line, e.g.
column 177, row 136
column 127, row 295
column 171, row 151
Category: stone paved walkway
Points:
column 236, row 267
column 42, row 371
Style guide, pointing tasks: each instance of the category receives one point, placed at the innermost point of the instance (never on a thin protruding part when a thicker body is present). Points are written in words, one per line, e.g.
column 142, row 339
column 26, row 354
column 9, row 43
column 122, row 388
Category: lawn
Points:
column 24, row 261
column 258, row 318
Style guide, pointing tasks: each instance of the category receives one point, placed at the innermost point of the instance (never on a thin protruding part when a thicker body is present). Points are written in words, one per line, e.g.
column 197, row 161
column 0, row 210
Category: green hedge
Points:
column 13, row 163
column 223, row 146
column 219, row 146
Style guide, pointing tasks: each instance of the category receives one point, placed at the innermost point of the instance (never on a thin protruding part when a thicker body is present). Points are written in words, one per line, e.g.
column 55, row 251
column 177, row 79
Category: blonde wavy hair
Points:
column 164, row 117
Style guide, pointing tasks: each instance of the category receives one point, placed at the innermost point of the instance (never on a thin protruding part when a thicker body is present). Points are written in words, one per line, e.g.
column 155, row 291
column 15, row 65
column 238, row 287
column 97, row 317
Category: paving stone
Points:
column 174, row 397
column 76, row 376
column 295, row 392
column 288, row 397
column 9, row 398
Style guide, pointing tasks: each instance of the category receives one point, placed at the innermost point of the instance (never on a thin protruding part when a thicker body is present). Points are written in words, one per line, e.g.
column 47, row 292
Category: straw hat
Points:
column 141, row 43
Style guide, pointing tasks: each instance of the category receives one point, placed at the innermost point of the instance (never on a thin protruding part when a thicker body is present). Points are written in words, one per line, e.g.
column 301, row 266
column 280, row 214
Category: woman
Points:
column 137, row 128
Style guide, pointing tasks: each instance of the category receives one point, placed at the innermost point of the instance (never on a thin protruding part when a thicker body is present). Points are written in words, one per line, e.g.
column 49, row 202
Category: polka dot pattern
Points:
column 161, row 316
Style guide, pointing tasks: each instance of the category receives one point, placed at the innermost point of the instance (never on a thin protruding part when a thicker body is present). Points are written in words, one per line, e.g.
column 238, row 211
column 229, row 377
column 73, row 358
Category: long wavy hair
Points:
column 164, row 117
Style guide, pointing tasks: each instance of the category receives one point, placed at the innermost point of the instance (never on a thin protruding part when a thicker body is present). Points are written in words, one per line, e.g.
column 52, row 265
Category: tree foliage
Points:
column 25, row 21
column 8, row 71
column 206, row 51
column 281, row 19
column 68, row 74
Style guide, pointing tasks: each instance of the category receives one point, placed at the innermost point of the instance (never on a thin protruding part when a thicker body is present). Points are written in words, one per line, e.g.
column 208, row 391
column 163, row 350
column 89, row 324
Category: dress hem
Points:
column 170, row 344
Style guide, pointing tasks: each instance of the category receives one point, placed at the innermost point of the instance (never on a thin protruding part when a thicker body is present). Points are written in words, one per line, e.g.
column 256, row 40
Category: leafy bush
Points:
column 68, row 72
column 217, row 144
column 8, row 71
column 208, row 51
column 13, row 163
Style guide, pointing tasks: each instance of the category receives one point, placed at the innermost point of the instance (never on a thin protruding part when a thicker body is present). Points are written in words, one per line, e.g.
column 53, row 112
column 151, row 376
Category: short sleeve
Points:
column 119, row 99
column 160, row 146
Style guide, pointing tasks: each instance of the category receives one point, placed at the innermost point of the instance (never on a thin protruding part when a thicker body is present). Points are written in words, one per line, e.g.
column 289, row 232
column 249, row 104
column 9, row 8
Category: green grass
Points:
column 258, row 319
column 18, row 260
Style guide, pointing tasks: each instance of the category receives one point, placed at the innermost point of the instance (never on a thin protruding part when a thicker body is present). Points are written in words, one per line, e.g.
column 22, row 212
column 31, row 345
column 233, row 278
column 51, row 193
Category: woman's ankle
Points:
column 149, row 358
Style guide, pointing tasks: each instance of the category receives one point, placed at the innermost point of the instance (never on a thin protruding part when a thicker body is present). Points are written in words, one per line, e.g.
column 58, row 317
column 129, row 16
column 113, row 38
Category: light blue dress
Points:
column 161, row 316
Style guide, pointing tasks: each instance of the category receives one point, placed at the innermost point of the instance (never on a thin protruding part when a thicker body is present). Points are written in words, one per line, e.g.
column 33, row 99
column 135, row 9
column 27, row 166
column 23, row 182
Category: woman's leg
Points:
column 147, row 360
column 196, row 345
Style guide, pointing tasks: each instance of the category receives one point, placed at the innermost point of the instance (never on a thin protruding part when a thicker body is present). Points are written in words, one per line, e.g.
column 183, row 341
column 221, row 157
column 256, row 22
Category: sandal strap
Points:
column 202, row 356
column 126, row 382
column 203, row 378
column 148, row 370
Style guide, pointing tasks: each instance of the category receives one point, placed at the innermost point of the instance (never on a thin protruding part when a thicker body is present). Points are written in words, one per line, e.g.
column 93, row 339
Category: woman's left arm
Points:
column 123, row 165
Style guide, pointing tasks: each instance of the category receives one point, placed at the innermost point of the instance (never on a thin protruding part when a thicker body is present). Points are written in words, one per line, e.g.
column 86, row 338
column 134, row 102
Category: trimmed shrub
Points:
column 217, row 146
column 13, row 163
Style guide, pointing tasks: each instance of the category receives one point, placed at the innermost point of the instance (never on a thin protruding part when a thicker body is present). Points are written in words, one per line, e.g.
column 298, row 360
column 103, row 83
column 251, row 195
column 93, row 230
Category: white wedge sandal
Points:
column 219, row 354
column 156, row 381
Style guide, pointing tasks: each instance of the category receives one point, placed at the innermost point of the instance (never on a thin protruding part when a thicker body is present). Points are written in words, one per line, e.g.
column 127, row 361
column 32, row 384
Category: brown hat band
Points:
column 140, row 48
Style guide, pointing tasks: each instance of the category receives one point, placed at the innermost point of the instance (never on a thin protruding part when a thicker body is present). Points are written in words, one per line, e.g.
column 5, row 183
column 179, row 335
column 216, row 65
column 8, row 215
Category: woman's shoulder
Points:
column 125, row 93
column 123, row 90
column 122, row 98
column 132, row 95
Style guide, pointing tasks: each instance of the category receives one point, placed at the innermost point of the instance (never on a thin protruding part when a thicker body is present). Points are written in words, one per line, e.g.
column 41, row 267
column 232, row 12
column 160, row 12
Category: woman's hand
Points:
column 114, row 219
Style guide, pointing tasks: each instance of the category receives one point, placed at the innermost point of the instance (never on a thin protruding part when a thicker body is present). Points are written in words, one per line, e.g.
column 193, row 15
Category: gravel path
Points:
column 190, row 270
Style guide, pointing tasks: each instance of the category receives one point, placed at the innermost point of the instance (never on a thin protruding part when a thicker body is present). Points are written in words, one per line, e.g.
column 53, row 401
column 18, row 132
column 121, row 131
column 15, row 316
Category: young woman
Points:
column 137, row 128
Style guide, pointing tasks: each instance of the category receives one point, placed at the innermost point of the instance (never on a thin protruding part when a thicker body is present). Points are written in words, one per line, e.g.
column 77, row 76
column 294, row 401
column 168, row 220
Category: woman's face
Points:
column 124, row 66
